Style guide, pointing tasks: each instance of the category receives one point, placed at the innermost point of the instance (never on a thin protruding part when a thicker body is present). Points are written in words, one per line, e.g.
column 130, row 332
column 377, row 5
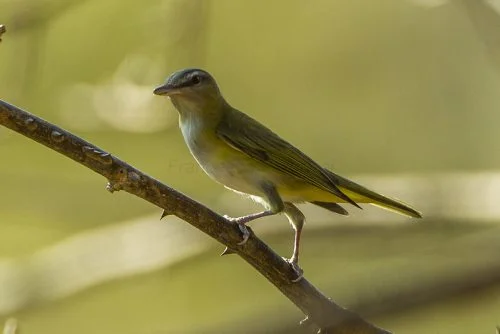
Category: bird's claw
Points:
column 246, row 234
column 298, row 270
column 243, row 228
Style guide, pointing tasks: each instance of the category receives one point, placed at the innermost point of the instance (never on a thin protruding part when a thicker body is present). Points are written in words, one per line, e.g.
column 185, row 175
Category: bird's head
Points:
column 191, row 88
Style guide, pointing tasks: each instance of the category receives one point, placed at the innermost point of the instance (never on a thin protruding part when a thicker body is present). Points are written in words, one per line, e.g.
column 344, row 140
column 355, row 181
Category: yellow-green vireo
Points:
column 248, row 158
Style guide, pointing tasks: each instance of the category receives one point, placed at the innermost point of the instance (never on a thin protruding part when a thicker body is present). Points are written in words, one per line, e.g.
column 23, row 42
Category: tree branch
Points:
column 2, row 31
column 321, row 311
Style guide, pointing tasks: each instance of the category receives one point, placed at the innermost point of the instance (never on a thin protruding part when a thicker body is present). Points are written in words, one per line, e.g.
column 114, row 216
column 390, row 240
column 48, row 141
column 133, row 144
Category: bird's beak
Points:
column 165, row 90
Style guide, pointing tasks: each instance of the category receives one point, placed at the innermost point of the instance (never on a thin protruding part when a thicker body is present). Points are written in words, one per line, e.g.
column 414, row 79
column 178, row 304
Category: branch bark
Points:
column 320, row 310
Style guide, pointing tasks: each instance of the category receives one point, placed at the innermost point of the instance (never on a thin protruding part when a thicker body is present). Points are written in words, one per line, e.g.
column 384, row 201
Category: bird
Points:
column 247, row 157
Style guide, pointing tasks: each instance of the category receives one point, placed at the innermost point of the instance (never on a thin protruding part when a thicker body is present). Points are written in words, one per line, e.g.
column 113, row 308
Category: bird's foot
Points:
column 231, row 219
column 241, row 224
column 298, row 270
column 246, row 234
column 237, row 220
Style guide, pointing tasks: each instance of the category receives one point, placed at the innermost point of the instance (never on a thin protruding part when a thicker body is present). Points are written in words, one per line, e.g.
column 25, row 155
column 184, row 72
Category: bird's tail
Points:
column 361, row 194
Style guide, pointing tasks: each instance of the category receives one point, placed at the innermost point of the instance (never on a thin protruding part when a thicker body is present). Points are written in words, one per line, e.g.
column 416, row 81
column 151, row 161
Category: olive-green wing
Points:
column 254, row 139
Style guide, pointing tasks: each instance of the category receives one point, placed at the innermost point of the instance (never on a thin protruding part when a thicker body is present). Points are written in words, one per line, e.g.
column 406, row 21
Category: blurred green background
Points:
column 399, row 95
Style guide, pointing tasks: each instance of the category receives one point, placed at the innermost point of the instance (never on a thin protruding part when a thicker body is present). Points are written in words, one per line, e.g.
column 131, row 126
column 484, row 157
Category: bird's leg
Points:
column 275, row 204
column 296, row 218
column 248, row 218
column 241, row 221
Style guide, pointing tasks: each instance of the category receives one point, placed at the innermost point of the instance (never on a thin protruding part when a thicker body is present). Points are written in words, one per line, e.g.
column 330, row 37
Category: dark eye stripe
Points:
column 186, row 79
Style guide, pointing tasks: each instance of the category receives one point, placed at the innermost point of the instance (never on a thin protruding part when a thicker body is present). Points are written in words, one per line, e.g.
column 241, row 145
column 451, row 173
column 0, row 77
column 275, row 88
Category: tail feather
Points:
column 334, row 207
column 355, row 191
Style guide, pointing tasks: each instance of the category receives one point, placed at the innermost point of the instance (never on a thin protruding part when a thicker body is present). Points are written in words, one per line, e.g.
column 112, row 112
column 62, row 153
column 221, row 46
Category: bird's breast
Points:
column 223, row 163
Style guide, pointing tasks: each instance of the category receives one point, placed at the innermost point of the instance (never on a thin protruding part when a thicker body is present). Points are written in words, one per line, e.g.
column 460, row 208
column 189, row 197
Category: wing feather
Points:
column 254, row 139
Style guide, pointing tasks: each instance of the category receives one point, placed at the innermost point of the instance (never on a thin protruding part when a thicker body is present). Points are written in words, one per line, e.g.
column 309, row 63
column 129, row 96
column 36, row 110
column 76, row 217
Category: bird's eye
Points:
column 196, row 79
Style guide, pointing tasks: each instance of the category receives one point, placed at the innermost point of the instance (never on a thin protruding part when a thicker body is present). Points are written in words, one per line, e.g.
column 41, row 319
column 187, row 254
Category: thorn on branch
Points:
column 227, row 251
column 164, row 214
